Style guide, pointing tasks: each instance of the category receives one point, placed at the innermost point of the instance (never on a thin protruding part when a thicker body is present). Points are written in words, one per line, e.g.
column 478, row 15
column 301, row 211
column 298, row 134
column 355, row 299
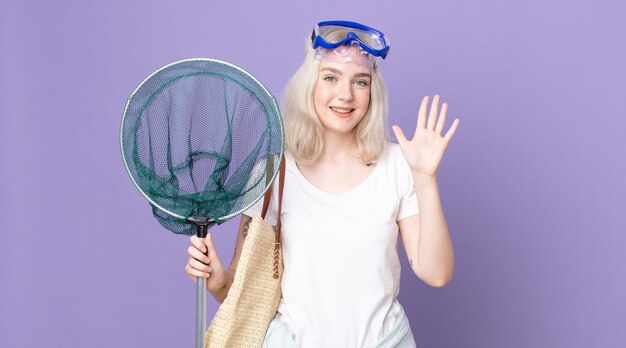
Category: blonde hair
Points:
column 303, row 129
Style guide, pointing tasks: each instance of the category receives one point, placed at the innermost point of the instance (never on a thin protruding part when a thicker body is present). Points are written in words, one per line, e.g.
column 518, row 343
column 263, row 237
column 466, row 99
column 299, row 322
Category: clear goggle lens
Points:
column 342, row 54
column 369, row 38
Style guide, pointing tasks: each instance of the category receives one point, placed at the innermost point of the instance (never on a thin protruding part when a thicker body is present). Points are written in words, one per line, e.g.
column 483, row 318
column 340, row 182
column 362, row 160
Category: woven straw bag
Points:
column 253, row 298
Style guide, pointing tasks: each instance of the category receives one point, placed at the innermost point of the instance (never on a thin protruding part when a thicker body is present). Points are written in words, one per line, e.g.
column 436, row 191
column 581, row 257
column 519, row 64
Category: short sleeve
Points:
column 406, row 187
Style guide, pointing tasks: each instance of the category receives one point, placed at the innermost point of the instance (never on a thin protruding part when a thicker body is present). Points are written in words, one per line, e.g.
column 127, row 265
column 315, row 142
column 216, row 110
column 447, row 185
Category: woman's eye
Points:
column 330, row 78
column 362, row 83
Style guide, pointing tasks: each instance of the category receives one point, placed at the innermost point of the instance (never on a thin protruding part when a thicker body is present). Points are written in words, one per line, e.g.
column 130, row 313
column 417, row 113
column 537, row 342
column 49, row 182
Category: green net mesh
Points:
column 201, row 138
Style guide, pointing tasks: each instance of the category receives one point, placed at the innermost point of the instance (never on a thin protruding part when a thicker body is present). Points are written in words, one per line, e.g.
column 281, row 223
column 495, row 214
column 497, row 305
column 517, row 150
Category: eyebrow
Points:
column 333, row 70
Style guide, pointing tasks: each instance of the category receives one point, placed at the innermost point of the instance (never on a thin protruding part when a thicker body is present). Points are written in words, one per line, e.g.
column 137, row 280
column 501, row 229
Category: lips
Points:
column 342, row 112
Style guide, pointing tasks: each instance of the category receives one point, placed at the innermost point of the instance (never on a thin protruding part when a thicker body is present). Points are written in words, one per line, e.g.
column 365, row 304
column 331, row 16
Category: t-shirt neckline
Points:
column 316, row 190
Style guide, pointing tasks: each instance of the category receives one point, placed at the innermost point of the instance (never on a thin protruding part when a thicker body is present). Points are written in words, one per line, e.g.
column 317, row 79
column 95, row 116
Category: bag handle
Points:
column 268, row 193
column 266, row 204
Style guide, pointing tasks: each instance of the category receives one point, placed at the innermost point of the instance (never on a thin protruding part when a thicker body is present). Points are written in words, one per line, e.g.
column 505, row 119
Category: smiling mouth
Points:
column 342, row 112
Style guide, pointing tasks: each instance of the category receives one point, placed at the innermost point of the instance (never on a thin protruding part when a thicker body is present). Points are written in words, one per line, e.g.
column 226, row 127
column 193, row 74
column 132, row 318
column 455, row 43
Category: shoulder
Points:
column 391, row 155
column 290, row 161
column 288, row 156
column 393, row 160
column 393, row 149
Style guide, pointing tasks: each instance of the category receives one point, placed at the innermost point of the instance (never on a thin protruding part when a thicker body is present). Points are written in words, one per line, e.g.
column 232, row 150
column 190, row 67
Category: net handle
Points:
column 200, row 312
column 201, row 232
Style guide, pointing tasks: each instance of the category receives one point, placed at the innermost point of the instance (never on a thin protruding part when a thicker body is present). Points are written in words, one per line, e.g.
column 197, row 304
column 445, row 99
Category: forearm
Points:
column 221, row 293
column 435, row 254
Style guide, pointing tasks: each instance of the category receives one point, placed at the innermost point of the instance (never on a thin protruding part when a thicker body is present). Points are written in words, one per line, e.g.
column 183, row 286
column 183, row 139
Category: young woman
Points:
column 348, row 194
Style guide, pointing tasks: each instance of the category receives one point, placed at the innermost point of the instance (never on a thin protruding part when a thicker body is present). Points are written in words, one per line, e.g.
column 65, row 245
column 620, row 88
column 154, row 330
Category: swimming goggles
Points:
column 369, row 39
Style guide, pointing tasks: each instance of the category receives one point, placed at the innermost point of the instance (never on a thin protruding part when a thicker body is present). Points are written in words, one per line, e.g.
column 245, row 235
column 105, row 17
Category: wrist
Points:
column 420, row 179
column 219, row 293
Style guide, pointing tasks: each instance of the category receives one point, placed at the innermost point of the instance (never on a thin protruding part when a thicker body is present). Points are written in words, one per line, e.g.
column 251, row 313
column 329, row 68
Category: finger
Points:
column 451, row 131
column 211, row 248
column 198, row 255
column 198, row 243
column 442, row 118
column 187, row 268
column 421, row 114
column 208, row 241
column 199, row 266
column 432, row 116
column 194, row 273
column 399, row 135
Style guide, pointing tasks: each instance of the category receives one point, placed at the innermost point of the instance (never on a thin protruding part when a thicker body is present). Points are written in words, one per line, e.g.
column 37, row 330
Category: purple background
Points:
column 533, row 182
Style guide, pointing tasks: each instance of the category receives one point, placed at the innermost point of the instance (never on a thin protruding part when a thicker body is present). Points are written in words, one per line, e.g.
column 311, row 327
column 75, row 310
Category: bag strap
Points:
column 266, row 204
column 266, row 201
column 281, row 185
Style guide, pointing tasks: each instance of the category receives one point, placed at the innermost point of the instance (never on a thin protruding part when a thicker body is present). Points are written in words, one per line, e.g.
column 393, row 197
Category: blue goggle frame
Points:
column 318, row 40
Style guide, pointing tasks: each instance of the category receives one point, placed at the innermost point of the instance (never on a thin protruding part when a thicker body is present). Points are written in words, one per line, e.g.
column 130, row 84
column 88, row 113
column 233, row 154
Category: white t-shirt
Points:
column 341, row 266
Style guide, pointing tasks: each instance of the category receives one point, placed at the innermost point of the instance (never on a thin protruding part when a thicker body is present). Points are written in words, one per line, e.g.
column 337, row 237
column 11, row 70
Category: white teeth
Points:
column 342, row 111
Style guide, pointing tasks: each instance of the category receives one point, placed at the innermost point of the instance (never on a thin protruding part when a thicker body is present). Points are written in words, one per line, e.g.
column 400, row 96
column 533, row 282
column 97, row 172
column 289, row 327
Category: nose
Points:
column 344, row 92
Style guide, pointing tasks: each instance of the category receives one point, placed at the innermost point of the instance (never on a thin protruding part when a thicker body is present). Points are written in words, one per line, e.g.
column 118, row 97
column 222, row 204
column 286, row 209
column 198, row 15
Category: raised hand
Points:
column 424, row 152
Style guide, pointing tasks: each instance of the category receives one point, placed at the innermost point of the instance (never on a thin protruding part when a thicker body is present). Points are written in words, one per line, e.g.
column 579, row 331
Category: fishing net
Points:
column 202, row 140
column 197, row 139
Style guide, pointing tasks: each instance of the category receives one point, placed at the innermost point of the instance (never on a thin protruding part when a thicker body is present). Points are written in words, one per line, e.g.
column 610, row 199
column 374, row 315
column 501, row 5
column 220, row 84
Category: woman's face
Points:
column 342, row 92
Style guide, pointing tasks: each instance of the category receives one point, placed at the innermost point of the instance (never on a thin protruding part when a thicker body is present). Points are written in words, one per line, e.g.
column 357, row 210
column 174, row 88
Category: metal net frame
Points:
column 196, row 138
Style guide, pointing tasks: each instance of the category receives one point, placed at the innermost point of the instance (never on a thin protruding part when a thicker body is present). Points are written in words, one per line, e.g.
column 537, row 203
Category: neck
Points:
column 339, row 147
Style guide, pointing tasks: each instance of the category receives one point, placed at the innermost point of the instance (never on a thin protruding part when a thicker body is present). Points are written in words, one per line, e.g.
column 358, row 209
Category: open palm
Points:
column 424, row 152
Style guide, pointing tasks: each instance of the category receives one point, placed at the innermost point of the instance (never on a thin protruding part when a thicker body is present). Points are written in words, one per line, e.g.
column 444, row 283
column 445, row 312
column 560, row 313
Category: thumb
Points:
column 399, row 134
column 211, row 251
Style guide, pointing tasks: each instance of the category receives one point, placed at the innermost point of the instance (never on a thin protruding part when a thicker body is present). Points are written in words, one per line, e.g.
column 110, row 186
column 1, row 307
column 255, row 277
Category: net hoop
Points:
column 274, row 105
